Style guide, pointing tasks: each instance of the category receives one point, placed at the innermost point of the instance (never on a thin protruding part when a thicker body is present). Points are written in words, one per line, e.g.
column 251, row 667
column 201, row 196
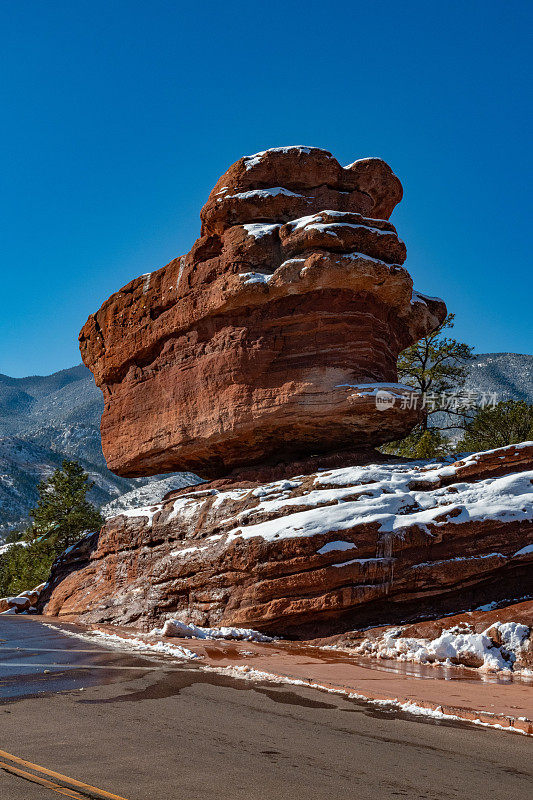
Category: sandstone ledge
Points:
column 312, row 554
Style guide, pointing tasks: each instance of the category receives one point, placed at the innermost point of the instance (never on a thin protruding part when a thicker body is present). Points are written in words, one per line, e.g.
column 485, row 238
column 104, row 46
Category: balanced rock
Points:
column 323, row 552
column 273, row 334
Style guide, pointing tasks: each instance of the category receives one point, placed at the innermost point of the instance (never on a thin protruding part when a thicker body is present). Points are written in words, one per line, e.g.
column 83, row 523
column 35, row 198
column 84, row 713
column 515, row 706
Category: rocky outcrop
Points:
column 273, row 334
column 326, row 551
column 23, row 602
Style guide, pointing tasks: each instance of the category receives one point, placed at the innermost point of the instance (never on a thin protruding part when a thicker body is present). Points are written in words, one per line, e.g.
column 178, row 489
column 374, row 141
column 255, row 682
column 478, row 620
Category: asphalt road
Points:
column 151, row 729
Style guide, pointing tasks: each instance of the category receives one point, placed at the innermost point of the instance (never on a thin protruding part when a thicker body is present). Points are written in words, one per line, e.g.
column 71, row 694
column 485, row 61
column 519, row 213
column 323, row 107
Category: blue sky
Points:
column 118, row 118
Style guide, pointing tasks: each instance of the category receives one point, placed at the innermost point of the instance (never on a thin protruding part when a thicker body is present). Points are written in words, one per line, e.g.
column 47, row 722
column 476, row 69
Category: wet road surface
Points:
column 146, row 728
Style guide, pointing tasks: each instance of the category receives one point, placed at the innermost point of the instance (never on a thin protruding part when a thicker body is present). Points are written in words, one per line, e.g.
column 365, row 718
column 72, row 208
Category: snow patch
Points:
column 260, row 229
column 255, row 194
column 254, row 277
column 256, row 158
column 338, row 545
column 183, row 630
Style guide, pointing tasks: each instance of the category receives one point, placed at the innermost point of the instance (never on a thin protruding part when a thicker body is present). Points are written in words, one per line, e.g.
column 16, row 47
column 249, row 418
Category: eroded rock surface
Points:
column 273, row 334
column 321, row 552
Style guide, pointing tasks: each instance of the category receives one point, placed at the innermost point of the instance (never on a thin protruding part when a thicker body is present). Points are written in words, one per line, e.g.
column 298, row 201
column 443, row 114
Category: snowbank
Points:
column 496, row 649
column 173, row 627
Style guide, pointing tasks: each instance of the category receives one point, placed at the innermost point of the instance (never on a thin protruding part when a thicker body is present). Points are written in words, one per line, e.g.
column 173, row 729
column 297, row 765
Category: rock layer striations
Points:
column 322, row 552
column 273, row 333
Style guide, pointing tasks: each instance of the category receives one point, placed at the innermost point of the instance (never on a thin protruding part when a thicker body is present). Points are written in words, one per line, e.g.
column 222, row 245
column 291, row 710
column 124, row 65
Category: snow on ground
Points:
column 245, row 672
column 174, row 627
column 494, row 650
column 115, row 641
column 163, row 648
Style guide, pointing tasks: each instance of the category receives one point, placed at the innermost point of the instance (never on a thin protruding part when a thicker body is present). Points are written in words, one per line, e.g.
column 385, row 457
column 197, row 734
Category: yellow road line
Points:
column 58, row 775
column 28, row 776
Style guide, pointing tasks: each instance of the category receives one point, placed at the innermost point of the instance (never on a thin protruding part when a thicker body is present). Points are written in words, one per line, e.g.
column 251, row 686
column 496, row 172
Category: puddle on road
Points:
column 309, row 655
column 172, row 683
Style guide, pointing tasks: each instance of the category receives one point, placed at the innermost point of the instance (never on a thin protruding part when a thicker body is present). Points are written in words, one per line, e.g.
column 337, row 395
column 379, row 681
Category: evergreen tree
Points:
column 420, row 444
column 61, row 517
column 436, row 366
column 509, row 422
column 63, row 513
column 25, row 566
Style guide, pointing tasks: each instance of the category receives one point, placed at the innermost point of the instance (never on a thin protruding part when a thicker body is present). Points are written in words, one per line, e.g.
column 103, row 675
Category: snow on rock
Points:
column 525, row 551
column 256, row 158
column 337, row 545
column 22, row 602
column 149, row 494
column 179, row 402
column 418, row 297
column 260, row 229
column 386, row 502
column 258, row 194
column 255, row 277
column 295, row 555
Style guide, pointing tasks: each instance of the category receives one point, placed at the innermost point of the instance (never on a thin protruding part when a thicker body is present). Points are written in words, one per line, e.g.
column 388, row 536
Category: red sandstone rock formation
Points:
column 318, row 553
column 273, row 334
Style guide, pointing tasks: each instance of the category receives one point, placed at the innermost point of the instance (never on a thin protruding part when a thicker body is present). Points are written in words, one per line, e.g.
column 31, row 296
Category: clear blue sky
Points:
column 118, row 118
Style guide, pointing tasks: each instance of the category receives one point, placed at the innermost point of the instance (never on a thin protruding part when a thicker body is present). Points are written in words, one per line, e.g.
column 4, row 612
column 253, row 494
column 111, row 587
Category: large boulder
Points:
column 319, row 553
column 273, row 334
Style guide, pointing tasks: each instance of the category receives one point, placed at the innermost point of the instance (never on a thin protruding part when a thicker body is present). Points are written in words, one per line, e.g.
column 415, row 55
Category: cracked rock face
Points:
column 273, row 334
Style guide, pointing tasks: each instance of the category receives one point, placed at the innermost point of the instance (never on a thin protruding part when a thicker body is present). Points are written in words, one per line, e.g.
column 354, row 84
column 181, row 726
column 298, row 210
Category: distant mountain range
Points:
column 44, row 419
column 510, row 375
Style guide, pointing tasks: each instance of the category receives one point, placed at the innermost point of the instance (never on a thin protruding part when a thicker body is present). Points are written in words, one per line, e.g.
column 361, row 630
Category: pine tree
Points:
column 420, row 444
column 509, row 422
column 61, row 517
column 435, row 366
column 24, row 566
column 63, row 513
